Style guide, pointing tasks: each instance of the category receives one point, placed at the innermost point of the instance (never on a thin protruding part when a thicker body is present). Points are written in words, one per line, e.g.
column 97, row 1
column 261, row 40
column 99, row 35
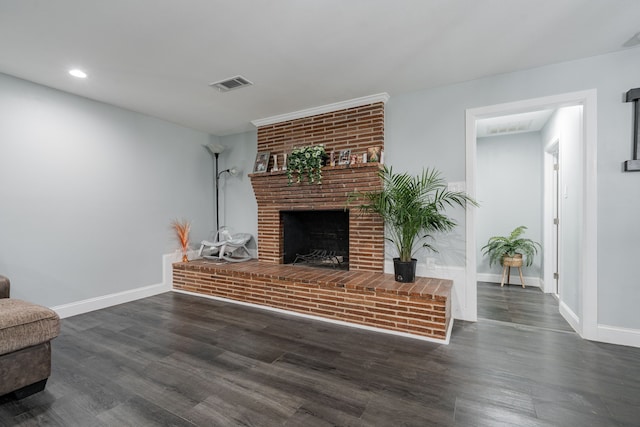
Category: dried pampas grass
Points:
column 182, row 228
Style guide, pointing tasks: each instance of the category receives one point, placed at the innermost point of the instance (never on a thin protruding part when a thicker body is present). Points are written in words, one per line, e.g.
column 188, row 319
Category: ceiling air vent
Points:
column 232, row 83
column 510, row 127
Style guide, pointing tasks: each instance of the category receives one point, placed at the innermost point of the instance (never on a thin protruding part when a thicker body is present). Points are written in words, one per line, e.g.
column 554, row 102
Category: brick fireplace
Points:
column 357, row 129
column 361, row 294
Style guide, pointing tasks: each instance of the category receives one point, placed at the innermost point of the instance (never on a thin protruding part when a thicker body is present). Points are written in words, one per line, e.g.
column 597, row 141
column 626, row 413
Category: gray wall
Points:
column 88, row 192
column 509, row 189
column 427, row 128
column 238, row 206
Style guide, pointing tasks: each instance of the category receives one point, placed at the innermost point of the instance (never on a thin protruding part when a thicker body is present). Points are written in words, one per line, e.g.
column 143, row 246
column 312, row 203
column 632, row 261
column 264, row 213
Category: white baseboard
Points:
column 571, row 317
column 97, row 303
column 515, row 279
column 618, row 335
column 323, row 319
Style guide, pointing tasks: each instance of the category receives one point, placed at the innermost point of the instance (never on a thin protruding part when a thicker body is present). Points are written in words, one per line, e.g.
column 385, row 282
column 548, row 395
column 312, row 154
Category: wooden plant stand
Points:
column 507, row 263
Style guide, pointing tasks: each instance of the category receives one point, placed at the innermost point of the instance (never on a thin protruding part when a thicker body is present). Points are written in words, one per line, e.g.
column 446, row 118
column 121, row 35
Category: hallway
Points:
column 513, row 304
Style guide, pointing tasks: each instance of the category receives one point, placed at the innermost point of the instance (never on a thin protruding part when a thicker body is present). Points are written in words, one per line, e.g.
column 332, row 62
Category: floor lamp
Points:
column 215, row 150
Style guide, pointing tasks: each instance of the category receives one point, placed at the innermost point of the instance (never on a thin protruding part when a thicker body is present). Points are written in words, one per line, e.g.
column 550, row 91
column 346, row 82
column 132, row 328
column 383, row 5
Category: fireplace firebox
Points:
column 317, row 238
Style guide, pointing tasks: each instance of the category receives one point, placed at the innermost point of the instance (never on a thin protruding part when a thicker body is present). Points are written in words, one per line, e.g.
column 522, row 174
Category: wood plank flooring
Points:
column 181, row 360
column 511, row 303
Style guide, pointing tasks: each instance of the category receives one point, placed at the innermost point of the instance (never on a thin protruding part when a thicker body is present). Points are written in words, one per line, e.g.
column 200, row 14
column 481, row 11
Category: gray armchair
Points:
column 5, row 287
column 26, row 331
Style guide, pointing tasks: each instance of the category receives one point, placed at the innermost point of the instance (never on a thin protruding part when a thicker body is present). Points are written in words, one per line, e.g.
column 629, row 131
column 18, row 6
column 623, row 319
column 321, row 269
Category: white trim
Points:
column 529, row 281
column 587, row 324
column 470, row 299
column 618, row 335
column 98, row 303
column 572, row 318
column 342, row 105
column 323, row 319
column 589, row 267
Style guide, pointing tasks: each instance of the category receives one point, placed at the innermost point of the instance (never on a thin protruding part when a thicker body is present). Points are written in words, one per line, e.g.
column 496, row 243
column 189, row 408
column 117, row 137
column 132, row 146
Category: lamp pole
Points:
column 217, row 178
column 215, row 150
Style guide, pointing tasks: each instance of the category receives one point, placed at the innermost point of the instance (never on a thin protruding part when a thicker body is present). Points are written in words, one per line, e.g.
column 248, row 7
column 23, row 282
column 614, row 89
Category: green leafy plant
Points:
column 499, row 246
column 412, row 208
column 306, row 161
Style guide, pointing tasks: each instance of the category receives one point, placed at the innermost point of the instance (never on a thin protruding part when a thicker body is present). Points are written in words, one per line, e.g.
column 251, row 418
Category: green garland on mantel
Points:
column 306, row 161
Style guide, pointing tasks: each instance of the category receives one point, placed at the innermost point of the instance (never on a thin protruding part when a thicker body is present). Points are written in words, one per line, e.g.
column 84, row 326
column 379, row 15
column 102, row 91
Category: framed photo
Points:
column 262, row 162
column 345, row 157
column 373, row 154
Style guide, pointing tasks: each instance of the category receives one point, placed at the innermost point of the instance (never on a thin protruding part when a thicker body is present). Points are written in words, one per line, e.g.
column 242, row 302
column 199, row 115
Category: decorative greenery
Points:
column 412, row 207
column 499, row 246
column 182, row 229
column 306, row 161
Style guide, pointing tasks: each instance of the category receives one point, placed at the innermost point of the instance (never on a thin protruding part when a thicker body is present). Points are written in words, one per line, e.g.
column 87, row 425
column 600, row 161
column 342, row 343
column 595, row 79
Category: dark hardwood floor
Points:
column 511, row 303
column 175, row 359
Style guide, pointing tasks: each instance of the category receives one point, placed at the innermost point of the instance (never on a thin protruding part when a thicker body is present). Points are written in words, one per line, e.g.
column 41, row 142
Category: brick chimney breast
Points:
column 356, row 129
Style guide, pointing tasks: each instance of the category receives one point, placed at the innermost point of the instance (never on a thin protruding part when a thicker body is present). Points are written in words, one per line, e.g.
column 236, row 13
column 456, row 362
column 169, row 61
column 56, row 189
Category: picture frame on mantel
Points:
column 262, row 162
column 345, row 157
column 373, row 155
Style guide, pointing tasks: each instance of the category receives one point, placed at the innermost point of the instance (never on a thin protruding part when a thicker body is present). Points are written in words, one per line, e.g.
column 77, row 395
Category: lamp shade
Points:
column 214, row 148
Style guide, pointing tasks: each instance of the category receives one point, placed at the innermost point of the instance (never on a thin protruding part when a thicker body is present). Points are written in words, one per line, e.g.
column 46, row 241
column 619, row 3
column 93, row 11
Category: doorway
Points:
column 511, row 176
column 578, row 307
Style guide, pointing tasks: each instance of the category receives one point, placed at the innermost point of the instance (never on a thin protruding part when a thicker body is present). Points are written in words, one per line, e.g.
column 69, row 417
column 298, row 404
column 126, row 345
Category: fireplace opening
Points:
column 317, row 238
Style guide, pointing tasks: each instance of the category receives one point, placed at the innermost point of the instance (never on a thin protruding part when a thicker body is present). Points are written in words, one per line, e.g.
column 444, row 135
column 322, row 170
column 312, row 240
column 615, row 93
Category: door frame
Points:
column 551, row 148
column 585, row 321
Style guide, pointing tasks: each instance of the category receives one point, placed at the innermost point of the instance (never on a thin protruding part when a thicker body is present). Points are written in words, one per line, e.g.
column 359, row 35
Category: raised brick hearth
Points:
column 366, row 298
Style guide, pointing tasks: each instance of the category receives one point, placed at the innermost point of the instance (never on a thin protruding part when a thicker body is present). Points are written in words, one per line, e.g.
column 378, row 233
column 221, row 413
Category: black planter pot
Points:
column 405, row 271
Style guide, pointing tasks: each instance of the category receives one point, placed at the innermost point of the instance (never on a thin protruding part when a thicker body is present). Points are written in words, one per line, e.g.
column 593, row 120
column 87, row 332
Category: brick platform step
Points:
column 372, row 299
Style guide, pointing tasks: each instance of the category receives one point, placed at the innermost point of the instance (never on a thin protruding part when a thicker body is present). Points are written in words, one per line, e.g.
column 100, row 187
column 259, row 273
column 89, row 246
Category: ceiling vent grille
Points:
column 230, row 84
column 510, row 127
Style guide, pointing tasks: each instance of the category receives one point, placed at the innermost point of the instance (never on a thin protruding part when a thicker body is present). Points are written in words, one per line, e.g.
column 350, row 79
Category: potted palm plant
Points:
column 512, row 250
column 412, row 208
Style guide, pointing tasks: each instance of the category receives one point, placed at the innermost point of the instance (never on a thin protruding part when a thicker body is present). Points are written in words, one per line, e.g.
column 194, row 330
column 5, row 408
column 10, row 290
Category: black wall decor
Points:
column 634, row 165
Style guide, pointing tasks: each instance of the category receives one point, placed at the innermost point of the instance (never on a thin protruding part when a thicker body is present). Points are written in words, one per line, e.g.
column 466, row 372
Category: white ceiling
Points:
column 158, row 56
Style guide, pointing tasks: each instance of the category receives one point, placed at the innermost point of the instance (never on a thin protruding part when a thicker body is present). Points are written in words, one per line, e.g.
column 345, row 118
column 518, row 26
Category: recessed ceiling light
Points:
column 78, row 73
